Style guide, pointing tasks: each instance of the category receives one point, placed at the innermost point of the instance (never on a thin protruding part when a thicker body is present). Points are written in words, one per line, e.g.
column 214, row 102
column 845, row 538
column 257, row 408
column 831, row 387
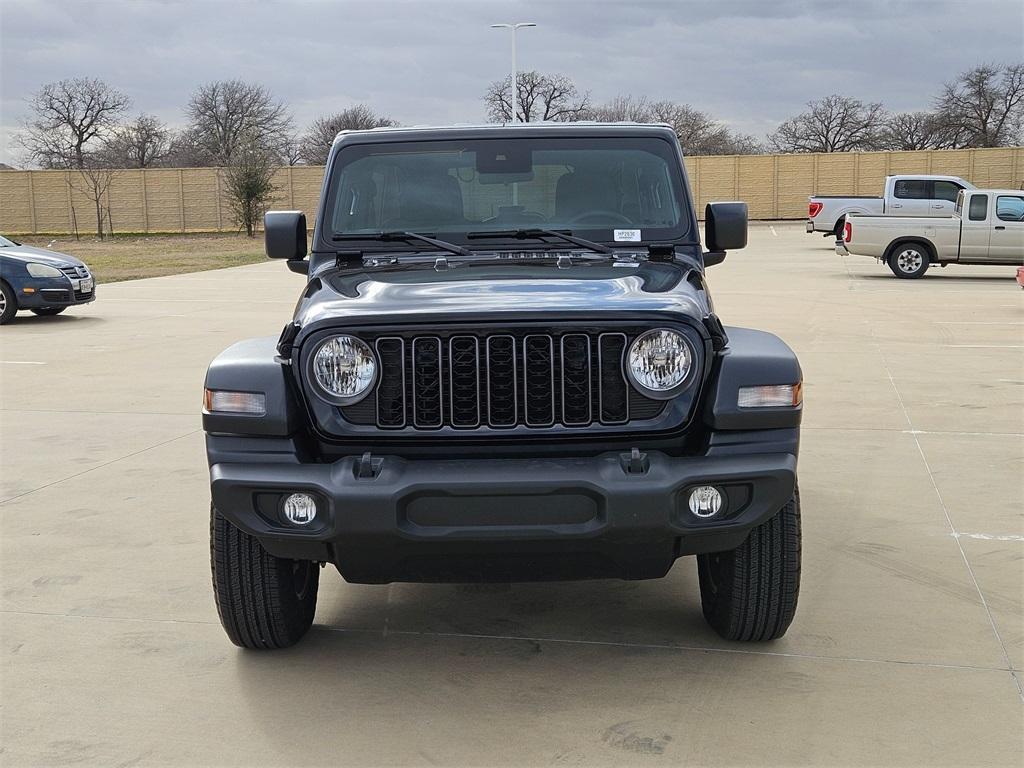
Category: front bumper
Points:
column 53, row 293
column 503, row 519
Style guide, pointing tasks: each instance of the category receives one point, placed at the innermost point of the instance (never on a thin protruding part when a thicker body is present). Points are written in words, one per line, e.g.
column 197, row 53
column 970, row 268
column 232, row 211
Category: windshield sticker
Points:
column 627, row 236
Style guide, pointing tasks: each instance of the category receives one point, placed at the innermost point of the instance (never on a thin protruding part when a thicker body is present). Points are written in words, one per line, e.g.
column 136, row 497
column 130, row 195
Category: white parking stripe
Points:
column 20, row 362
column 988, row 536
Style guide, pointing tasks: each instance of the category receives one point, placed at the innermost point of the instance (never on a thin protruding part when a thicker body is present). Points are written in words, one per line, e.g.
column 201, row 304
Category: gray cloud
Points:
column 751, row 64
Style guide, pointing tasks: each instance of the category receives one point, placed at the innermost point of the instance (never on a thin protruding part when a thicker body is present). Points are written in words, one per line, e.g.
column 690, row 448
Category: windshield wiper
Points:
column 540, row 234
column 399, row 236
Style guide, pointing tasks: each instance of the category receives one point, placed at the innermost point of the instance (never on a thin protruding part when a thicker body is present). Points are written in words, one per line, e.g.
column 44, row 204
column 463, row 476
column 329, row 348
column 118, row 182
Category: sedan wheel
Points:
column 8, row 303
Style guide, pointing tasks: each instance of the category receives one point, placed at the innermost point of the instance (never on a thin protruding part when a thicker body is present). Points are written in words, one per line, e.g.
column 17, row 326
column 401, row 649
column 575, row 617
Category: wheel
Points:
column 8, row 303
column 263, row 601
column 837, row 230
column 48, row 311
column 750, row 593
column 908, row 261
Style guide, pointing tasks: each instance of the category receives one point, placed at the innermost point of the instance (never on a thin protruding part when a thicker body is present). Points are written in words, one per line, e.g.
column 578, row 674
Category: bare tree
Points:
column 249, row 181
column 907, row 131
column 291, row 151
column 226, row 113
column 541, row 97
column 316, row 143
column 698, row 132
column 984, row 107
column 832, row 124
column 68, row 119
column 142, row 143
column 185, row 150
column 93, row 180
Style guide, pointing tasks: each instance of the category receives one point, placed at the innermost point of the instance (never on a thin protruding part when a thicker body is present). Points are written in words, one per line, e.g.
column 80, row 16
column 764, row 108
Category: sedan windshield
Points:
column 614, row 190
column 5, row 243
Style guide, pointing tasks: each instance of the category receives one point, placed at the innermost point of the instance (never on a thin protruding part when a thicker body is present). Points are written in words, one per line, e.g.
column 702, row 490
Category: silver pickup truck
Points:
column 987, row 227
column 905, row 195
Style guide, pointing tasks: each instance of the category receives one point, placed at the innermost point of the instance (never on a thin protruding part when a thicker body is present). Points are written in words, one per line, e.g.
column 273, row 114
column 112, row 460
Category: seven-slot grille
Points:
column 502, row 380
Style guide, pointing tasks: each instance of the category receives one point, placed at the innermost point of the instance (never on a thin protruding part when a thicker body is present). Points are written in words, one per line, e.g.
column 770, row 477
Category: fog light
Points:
column 300, row 509
column 705, row 501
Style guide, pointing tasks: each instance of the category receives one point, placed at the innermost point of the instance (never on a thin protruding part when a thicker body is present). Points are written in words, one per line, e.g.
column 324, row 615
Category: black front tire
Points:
column 750, row 593
column 263, row 601
column 48, row 311
column 8, row 304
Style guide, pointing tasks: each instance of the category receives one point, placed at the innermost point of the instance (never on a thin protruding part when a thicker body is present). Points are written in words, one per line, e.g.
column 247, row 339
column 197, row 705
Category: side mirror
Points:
column 725, row 229
column 285, row 234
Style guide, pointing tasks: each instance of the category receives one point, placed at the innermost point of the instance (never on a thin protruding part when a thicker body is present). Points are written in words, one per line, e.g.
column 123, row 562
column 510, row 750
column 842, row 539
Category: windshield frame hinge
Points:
column 661, row 252
column 347, row 259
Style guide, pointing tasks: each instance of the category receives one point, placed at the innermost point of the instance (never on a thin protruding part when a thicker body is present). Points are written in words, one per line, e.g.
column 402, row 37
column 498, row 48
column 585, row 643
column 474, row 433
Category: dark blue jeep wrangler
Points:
column 504, row 365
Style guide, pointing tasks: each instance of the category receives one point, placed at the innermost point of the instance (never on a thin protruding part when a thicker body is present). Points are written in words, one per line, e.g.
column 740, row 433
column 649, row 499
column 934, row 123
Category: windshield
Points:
column 623, row 190
column 5, row 243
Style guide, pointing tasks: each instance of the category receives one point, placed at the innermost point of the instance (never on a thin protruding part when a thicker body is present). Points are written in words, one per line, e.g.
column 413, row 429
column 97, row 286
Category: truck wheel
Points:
column 909, row 261
column 8, row 303
column 750, row 593
column 263, row 601
column 837, row 230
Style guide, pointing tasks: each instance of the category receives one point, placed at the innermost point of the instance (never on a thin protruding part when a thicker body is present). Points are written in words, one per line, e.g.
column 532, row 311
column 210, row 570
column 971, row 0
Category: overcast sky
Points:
column 751, row 64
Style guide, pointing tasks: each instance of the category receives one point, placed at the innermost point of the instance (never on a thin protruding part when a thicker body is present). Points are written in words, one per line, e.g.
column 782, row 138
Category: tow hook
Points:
column 367, row 467
column 634, row 462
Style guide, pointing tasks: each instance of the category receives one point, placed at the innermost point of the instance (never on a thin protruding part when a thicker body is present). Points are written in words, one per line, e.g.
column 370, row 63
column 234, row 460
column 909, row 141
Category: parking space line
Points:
column 535, row 639
column 98, row 466
column 664, row 647
column 988, row 536
column 21, row 362
column 949, row 520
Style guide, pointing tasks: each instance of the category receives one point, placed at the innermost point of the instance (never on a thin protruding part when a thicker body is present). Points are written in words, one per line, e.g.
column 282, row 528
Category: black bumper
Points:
column 504, row 519
column 54, row 297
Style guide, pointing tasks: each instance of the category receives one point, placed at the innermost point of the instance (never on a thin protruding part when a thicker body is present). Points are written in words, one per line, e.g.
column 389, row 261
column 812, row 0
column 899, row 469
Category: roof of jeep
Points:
column 503, row 130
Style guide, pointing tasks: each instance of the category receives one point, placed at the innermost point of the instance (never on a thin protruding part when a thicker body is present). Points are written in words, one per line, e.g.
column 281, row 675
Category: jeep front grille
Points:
column 500, row 381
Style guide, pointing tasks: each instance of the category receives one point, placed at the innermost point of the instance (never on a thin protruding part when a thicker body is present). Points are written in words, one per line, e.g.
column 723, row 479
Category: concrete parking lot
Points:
column 907, row 648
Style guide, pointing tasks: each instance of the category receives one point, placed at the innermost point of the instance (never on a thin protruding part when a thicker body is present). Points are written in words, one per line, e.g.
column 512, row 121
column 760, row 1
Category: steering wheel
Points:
column 580, row 218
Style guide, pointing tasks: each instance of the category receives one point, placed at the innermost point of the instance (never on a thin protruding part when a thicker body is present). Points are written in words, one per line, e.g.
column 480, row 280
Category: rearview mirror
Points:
column 285, row 234
column 725, row 229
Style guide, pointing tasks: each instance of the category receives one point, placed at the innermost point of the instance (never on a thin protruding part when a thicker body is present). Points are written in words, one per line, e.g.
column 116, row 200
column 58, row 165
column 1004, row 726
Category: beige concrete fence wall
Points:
column 192, row 199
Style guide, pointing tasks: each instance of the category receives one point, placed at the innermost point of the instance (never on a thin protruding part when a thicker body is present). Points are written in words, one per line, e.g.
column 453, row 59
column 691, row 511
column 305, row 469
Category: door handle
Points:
column 897, row 205
column 938, row 206
column 1000, row 227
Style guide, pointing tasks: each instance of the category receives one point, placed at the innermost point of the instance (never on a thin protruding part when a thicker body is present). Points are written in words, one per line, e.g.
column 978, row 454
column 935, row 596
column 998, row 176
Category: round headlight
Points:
column 344, row 369
column 659, row 363
column 43, row 270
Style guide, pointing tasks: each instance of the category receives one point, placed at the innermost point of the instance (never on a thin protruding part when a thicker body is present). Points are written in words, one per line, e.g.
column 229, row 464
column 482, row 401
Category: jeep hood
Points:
column 420, row 295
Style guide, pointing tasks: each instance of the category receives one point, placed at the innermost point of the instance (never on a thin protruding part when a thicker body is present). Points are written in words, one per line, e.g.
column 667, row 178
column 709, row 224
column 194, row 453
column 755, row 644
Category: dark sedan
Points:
column 41, row 281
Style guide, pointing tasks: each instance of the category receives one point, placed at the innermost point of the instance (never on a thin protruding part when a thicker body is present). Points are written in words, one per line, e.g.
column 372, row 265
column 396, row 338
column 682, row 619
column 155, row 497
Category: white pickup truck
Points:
column 906, row 195
column 987, row 227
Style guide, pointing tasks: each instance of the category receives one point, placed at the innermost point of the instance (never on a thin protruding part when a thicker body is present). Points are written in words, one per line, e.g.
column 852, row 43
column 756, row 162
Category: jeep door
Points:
column 1006, row 244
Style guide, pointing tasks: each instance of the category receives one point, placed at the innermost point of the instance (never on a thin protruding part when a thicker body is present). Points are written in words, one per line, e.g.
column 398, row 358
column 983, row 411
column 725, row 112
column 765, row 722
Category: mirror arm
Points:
column 713, row 257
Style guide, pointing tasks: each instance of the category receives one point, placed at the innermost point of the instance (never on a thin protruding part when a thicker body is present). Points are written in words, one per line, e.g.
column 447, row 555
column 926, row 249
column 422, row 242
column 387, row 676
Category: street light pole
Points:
column 515, row 68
